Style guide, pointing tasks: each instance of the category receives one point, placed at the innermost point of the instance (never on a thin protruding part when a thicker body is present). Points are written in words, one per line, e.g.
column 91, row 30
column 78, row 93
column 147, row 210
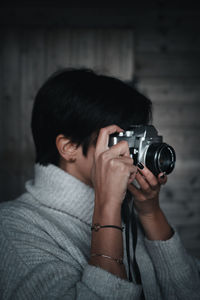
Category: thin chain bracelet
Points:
column 97, row 226
column 118, row 260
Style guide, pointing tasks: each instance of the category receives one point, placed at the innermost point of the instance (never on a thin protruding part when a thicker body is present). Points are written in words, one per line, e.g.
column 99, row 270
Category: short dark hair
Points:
column 79, row 102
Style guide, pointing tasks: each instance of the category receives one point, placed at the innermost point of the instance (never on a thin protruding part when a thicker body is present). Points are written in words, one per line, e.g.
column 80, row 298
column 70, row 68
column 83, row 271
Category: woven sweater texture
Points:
column 45, row 240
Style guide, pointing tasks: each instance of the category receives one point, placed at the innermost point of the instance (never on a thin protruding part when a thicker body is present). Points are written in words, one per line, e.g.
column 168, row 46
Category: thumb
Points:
column 162, row 178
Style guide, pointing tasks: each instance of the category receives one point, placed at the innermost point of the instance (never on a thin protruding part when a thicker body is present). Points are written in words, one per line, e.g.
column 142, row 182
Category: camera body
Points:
column 147, row 147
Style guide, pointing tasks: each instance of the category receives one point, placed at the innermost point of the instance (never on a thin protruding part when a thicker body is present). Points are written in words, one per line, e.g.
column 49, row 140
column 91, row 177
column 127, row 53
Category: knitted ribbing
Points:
column 57, row 189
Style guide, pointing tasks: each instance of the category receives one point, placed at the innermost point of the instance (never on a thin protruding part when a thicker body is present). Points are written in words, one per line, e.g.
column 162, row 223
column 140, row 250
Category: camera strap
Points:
column 129, row 218
column 126, row 218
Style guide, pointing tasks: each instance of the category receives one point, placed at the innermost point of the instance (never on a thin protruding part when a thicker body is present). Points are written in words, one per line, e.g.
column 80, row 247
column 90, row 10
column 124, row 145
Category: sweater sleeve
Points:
column 33, row 268
column 109, row 286
column 174, row 265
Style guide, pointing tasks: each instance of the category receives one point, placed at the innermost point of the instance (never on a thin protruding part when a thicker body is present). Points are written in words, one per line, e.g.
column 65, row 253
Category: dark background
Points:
column 153, row 44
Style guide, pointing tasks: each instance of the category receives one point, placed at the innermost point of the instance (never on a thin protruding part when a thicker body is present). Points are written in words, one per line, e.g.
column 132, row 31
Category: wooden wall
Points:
column 166, row 56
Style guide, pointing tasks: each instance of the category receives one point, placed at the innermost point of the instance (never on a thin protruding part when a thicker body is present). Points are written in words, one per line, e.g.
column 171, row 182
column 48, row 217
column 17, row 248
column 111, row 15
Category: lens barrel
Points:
column 160, row 157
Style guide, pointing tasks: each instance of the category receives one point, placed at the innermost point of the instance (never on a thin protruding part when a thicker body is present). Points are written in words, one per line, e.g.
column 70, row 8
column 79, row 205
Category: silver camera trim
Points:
column 139, row 138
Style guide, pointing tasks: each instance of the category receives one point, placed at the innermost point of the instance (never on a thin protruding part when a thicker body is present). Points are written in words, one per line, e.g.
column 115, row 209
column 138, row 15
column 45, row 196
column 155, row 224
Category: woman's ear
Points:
column 66, row 148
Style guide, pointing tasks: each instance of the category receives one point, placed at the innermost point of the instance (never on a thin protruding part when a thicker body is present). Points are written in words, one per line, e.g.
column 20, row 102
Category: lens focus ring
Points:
column 160, row 157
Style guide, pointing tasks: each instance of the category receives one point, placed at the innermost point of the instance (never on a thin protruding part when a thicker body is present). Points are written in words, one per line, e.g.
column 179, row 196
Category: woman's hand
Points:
column 146, row 198
column 146, row 202
column 113, row 169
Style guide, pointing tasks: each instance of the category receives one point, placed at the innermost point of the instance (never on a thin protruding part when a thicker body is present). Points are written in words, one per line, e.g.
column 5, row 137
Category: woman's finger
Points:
column 149, row 176
column 103, row 138
column 136, row 192
column 120, row 149
column 162, row 178
column 144, row 185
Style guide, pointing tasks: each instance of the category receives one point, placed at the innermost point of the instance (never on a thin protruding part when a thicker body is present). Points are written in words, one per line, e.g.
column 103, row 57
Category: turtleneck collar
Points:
column 59, row 190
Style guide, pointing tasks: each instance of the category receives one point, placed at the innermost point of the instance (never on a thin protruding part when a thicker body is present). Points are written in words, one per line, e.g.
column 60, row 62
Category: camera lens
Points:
column 160, row 157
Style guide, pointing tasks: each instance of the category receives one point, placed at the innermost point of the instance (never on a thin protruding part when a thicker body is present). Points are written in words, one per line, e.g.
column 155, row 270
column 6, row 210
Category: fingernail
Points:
column 140, row 165
column 163, row 175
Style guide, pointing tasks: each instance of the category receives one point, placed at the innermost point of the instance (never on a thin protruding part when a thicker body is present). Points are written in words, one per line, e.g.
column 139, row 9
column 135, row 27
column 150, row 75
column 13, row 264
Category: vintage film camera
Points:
column 147, row 147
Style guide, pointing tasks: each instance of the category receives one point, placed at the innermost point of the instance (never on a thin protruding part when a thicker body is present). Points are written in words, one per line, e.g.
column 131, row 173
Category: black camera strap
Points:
column 129, row 218
column 126, row 218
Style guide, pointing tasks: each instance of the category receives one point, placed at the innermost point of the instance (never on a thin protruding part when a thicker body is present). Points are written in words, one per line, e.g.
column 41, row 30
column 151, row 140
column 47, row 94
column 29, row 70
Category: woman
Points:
column 82, row 229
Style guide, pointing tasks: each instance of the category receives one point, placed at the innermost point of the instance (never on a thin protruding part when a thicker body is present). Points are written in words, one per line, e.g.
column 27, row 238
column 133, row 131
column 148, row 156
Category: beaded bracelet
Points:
column 118, row 260
column 97, row 226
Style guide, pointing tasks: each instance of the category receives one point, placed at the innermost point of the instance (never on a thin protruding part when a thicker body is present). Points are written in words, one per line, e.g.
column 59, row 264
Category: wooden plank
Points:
column 9, row 111
column 184, row 195
column 183, row 182
column 190, row 236
column 182, row 65
column 185, row 211
column 168, row 38
column 105, row 51
column 10, row 74
column 166, row 89
column 1, row 87
column 190, row 233
column 32, row 77
column 176, row 116
column 183, row 217
column 186, row 173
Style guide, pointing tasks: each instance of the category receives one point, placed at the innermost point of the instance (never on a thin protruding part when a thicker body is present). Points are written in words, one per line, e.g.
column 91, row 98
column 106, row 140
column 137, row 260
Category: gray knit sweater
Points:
column 45, row 241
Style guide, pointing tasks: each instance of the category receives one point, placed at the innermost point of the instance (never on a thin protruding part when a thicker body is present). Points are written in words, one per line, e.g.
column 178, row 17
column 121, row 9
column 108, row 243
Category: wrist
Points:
column 107, row 213
column 151, row 216
column 156, row 226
